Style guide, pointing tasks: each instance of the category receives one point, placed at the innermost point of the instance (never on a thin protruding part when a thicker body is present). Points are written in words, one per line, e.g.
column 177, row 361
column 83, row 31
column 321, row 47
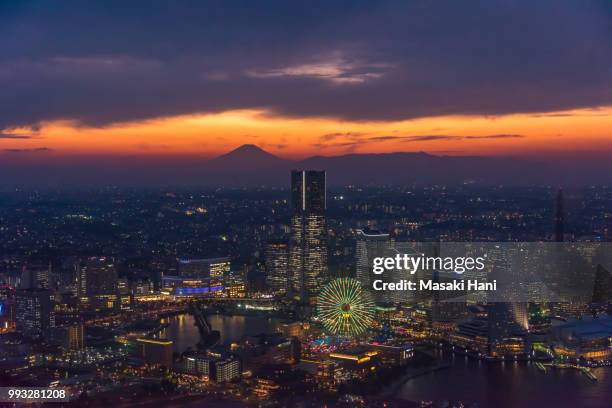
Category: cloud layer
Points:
column 98, row 63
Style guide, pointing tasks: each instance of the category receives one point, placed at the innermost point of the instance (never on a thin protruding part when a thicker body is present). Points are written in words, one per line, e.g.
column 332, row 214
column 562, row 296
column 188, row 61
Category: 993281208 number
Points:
column 31, row 394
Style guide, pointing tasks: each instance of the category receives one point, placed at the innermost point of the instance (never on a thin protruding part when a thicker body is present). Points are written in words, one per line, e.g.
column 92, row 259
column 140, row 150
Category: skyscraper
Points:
column 506, row 317
column 277, row 267
column 97, row 283
column 308, row 244
column 34, row 311
column 369, row 245
column 35, row 275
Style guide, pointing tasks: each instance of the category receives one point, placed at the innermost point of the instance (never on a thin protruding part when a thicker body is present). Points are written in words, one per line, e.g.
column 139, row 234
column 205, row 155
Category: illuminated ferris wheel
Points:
column 345, row 308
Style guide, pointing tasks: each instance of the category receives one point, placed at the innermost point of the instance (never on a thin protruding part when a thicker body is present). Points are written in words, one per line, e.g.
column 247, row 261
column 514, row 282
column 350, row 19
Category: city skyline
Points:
column 264, row 296
column 344, row 203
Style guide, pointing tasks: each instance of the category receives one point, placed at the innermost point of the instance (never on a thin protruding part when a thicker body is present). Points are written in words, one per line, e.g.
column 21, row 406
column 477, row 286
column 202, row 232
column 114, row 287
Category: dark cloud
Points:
column 337, row 135
column 14, row 136
column 384, row 138
column 101, row 62
column 500, row 136
column 427, row 138
column 33, row 150
column 356, row 139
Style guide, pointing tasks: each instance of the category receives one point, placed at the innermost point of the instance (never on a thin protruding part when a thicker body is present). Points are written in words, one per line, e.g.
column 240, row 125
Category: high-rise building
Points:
column 75, row 336
column 371, row 244
column 227, row 369
column 235, row 284
column 277, row 267
column 70, row 337
column 34, row 311
column 198, row 364
column 308, row 244
column 217, row 367
column 35, row 275
column 559, row 217
column 506, row 318
column 97, row 283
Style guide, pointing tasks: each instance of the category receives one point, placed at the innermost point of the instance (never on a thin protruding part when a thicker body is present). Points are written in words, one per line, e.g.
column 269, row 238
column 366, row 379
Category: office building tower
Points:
column 198, row 364
column 235, row 284
column 371, row 244
column 308, row 244
column 213, row 268
column 69, row 337
column 226, row 369
column 75, row 338
column 97, row 283
column 35, row 276
column 506, row 318
column 34, row 311
column 559, row 217
column 215, row 366
column 277, row 267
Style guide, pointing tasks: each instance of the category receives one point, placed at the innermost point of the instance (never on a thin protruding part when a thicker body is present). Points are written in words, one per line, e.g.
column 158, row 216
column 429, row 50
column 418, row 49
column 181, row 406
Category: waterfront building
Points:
column 510, row 347
column 198, row 364
column 214, row 268
column 235, row 285
column 190, row 287
column 472, row 335
column 507, row 319
column 226, row 369
column 356, row 357
column 588, row 337
column 392, row 355
column 155, row 351
column 216, row 366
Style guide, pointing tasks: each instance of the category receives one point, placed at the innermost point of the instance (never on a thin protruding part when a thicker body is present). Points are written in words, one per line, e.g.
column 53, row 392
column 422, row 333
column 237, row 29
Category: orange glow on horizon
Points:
column 209, row 135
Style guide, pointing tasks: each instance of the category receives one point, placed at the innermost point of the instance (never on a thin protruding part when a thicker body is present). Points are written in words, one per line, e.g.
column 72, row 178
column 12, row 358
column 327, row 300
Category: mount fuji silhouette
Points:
column 251, row 165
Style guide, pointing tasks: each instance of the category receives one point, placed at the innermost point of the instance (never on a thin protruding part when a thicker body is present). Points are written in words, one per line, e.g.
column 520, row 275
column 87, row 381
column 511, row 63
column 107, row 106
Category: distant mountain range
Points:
column 249, row 164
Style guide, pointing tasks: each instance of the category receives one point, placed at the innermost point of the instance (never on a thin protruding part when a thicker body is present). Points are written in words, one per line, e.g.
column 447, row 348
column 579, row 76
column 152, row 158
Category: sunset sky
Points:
column 515, row 78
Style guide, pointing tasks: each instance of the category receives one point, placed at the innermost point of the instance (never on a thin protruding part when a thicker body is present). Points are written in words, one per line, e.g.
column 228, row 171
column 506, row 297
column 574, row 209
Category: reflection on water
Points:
column 184, row 332
column 509, row 385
